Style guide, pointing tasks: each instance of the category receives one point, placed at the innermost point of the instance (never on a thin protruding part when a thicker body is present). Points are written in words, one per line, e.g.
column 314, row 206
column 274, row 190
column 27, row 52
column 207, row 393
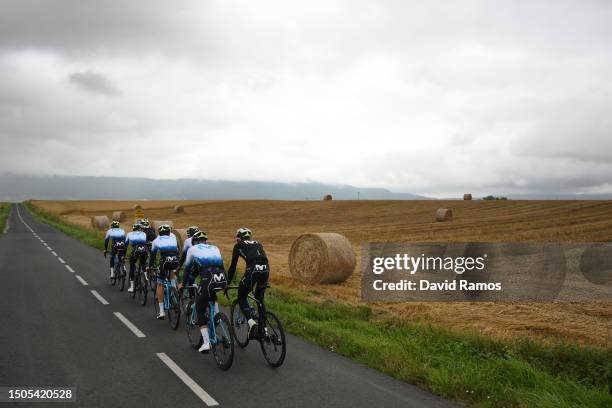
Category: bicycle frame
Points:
column 167, row 285
column 212, row 333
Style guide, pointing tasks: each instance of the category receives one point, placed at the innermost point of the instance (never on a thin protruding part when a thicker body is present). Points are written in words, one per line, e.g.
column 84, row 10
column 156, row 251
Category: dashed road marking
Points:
column 61, row 260
column 197, row 390
column 69, row 268
column 99, row 297
column 54, row 253
column 129, row 325
column 81, row 280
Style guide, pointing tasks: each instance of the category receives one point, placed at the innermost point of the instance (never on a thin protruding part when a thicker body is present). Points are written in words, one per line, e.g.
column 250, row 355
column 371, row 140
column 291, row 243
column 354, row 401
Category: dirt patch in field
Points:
column 278, row 223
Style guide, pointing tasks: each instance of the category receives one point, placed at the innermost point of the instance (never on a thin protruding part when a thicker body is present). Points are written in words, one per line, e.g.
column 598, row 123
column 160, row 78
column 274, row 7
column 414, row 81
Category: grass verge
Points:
column 465, row 367
column 5, row 210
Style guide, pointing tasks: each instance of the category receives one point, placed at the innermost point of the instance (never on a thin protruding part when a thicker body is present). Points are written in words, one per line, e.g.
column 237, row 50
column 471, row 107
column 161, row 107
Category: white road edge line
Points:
column 99, row 297
column 81, row 280
column 69, row 268
column 197, row 390
column 129, row 325
column 59, row 258
column 54, row 253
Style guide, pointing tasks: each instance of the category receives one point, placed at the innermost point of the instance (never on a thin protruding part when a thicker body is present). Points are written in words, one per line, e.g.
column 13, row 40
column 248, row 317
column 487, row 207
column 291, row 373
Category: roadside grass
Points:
column 465, row 367
column 5, row 210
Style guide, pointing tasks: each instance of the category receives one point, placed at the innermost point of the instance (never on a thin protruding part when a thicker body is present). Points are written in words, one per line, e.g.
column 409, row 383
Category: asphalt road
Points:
column 56, row 332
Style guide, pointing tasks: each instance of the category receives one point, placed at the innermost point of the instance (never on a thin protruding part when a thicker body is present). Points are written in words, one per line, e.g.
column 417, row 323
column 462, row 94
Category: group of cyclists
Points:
column 198, row 258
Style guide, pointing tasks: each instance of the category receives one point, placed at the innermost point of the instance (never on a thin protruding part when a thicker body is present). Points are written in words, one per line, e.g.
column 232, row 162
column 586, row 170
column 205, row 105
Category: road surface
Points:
column 64, row 325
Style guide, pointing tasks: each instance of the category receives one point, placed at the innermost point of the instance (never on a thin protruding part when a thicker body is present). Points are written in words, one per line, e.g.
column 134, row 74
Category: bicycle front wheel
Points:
column 239, row 324
column 272, row 340
column 223, row 346
column 174, row 312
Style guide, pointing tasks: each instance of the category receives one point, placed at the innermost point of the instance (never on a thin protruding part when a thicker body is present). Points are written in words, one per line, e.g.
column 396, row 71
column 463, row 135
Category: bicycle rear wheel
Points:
column 142, row 287
column 223, row 346
column 272, row 340
column 153, row 280
column 193, row 331
column 239, row 324
column 121, row 277
column 174, row 312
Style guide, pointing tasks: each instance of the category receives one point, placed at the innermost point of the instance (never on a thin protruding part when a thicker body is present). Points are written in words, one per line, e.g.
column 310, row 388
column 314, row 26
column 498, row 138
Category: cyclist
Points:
column 149, row 232
column 256, row 273
column 205, row 260
column 186, row 245
column 138, row 240
column 116, row 236
column 167, row 246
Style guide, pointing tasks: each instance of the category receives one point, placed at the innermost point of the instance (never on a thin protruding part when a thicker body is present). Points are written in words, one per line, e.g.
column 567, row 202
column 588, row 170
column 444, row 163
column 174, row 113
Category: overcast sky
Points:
column 435, row 97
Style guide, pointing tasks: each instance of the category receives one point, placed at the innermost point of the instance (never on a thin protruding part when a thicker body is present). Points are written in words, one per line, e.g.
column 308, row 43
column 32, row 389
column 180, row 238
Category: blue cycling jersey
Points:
column 186, row 245
column 135, row 238
column 115, row 234
column 203, row 255
column 165, row 244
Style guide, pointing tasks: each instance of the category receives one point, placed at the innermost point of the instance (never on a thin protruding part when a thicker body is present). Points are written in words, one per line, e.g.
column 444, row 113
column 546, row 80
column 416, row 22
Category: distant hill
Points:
column 23, row 187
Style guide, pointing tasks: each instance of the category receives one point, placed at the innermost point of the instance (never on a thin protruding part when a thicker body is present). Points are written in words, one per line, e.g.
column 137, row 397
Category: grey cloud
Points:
column 94, row 82
column 416, row 96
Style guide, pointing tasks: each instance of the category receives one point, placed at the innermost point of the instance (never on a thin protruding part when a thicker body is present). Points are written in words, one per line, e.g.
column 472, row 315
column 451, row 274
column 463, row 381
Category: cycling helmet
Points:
column 115, row 224
column 191, row 231
column 199, row 236
column 136, row 226
column 164, row 229
column 244, row 233
column 144, row 223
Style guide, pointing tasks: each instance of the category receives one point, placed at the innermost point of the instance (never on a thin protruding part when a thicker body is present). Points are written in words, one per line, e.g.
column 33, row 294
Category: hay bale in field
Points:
column 321, row 258
column 327, row 197
column 118, row 216
column 156, row 224
column 137, row 207
column 178, row 209
column 181, row 235
column 444, row 214
column 100, row 222
column 467, row 196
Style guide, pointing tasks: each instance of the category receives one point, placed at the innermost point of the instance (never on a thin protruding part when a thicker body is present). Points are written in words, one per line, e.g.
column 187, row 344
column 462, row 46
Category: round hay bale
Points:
column 100, row 222
column 321, row 258
column 137, row 207
column 467, row 196
column 156, row 224
column 181, row 235
column 444, row 214
column 327, row 197
column 118, row 216
column 178, row 209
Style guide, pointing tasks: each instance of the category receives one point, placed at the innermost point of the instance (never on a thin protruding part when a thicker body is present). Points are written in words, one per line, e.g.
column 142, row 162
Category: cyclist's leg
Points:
column 112, row 261
column 160, row 288
column 261, row 280
column 133, row 259
column 202, row 300
column 244, row 288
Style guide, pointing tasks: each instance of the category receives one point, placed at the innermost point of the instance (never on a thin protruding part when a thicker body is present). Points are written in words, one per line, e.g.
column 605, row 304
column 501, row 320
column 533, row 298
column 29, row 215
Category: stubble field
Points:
column 277, row 223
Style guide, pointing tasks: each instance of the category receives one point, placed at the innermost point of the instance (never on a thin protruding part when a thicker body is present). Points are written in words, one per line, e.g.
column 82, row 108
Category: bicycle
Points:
column 219, row 332
column 152, row 274
column 140, row 284
column 119, row 271
column 271, row 335
column 171, row 303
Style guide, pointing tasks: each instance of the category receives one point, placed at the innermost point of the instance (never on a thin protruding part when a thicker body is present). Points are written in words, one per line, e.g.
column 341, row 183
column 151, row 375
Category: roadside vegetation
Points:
column 5, row 210
column 465, row 367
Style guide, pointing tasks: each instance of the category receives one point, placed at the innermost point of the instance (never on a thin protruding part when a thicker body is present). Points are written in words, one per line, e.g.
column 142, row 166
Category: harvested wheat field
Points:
column 278, row 223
